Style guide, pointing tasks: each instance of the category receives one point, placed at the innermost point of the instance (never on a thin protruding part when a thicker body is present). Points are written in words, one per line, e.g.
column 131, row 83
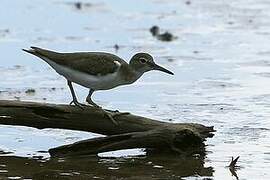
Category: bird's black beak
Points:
column 159, row 68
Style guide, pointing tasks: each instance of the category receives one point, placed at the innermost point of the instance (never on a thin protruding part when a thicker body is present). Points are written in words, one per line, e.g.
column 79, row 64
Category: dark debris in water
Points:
column 233, row 167
column 209, row 84
column 30, row 91
column 80, row 5
column 154, row 30
column 116, row 47
column 233, row 162
column 4, row 32
column 188, row 2
column 166, row 36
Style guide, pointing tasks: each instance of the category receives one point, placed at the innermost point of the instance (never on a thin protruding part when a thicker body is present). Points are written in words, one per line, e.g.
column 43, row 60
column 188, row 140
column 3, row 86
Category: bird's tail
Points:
column 31, row 51
column 42, row 53
column 35, row 51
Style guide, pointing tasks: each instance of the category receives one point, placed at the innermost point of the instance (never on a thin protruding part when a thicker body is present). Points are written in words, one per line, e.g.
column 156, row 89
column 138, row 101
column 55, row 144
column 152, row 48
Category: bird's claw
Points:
column 76, row 103
column 90, row 102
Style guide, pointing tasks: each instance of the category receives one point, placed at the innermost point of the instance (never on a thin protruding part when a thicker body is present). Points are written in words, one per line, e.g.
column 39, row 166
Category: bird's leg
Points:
column 109, row 114
column 89, row 99
column 75, row 101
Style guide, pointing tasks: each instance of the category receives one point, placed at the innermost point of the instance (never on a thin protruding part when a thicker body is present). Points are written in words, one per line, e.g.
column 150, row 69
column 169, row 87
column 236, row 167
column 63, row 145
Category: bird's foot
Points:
column 90, row 102
column 76, row 103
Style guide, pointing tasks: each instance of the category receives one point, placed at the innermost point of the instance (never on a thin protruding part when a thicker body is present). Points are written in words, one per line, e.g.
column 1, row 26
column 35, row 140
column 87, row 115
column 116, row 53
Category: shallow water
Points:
column 222, row 70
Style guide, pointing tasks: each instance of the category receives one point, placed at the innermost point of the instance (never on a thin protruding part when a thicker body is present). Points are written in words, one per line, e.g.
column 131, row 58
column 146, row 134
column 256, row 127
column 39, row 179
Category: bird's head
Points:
column 143, row 62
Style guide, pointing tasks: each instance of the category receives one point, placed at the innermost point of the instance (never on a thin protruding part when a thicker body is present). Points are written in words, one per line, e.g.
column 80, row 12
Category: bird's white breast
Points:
column 99, row 82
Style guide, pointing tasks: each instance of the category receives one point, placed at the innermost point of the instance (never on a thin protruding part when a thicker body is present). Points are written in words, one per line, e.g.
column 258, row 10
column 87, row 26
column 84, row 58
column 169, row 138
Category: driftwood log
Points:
column 131, row 131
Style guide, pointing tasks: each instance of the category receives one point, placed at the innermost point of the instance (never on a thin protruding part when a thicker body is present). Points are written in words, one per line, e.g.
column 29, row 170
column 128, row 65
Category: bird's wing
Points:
column 94, row 63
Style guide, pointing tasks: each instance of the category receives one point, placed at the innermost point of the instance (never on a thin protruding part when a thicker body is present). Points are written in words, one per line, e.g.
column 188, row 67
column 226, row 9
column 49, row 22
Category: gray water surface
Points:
column 221, row 65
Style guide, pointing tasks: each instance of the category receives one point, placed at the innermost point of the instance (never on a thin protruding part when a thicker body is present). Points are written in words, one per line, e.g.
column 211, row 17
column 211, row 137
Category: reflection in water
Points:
column 233, row 167
column 88, row 167
column 233, row 171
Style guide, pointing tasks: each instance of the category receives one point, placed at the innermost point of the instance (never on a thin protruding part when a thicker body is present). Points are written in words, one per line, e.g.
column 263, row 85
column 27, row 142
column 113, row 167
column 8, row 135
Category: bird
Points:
column 96, row 70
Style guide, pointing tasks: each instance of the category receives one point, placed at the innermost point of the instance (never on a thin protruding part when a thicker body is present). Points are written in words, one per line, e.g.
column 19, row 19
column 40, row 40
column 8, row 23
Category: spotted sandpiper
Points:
column 96, row 70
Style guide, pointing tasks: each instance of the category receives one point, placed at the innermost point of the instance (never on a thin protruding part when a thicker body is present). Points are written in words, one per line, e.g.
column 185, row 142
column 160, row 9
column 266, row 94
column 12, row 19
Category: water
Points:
column 222, row 72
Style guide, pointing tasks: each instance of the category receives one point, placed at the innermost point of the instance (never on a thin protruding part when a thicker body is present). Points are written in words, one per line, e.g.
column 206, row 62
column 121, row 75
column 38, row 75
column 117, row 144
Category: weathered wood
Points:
column 162, row 139
column 132, row 131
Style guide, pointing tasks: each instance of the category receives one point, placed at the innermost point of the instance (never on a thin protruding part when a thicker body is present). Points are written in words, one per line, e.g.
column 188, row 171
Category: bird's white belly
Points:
column 103, row 82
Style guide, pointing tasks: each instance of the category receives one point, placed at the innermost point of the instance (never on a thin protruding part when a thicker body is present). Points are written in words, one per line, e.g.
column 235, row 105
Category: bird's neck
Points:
column 130, row 75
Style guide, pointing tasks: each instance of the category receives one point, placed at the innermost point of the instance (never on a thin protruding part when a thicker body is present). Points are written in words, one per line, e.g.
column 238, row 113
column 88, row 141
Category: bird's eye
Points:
column 142, row 60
